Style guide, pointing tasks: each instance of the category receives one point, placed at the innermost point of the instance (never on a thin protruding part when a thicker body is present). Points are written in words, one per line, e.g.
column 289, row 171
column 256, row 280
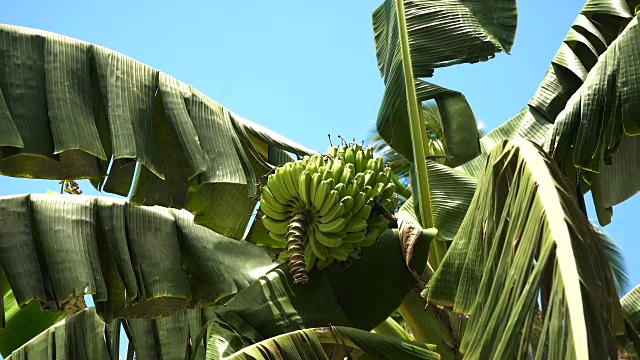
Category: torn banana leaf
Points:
column 73, row 110
column 525, row 247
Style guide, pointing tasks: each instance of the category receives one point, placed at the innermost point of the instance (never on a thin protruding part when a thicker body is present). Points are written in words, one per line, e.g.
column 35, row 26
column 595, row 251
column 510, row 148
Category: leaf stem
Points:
column 416, row 127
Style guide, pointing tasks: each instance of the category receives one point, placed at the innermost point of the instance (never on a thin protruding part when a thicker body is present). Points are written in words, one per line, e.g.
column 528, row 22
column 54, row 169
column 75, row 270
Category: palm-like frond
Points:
column 73, row 110
column 523, row 238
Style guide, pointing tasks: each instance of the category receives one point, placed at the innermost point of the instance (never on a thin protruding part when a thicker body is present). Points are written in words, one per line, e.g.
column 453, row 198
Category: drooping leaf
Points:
column 525, row 238
column 596, row 27
column 81, row 336
column 136, row 261
column 441, row 33
column 597, row 131
column 271, row 306
column 308, row 344
column 73, row 110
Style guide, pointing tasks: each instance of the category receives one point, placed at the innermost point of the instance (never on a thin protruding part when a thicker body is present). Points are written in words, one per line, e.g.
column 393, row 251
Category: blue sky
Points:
column 303, row 69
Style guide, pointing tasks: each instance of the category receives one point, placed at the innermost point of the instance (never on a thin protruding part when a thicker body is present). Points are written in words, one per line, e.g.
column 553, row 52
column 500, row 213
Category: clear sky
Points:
column 303, row 69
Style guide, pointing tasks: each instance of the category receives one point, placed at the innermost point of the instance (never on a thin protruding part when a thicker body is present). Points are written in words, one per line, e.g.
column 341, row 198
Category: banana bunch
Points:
column 332, row 204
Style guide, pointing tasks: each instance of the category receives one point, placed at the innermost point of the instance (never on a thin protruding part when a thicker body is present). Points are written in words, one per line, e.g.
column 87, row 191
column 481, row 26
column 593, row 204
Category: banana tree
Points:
column 514, row 269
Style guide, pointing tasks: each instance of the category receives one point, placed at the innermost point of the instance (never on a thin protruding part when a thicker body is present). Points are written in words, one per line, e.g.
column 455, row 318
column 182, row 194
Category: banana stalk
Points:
column 296, row 233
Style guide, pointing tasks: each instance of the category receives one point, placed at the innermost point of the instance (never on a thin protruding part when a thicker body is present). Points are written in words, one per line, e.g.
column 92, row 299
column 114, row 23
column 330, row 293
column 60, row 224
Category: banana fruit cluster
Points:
column 337, row 198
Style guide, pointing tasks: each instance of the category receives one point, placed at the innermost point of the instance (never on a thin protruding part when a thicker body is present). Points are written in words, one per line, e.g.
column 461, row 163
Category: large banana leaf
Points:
column 136, row 261
column 525, row 240
column 339, row 295
column 70, row 110
column 597, row 25
column 441, row 33
column 594, row 131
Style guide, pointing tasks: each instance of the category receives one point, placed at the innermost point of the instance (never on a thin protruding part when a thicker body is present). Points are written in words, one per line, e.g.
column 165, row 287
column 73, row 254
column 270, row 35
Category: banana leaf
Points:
column 597, row 131
column 337, row 296
column 81, row 336
column 136, row 261
column 451, row 194
column 73, row 110
column 17, row 326
column 595, row 28
column 308, row 344
column 441, row 33
column 525, row 247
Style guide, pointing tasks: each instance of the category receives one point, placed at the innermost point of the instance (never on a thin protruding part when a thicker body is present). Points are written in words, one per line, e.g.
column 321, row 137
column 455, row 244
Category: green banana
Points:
column 358, row 202
column 312, row 167
column 309, row 257
column 379, row 164
column 276, row 226
column 364, row 212
column 266, row 209
column 367, row 190
column 389, row 204
column 368, row 152
column 290, row 183
column 334, row 213
column 334, row 226
column 279, row 180
column 361, row 162
column 279, row 238
column 304, row 183
column 317, row 159
column 388, row 191
column 354, row 237
column 347, row 174
column 332, row 151
column 347, row 202
column 315, row 181
column 371, row 165
column 350, row 155
column 327, row 174
column 319, row 249
column 329, row 240
column 351, row 189
column 321, row 194
column 369, row 178
column 378, row 188
column 341, row 189
column 267, row 196
column 370, row 238
column 341, row 253
column 337, row 167
column 274, row 184
column 382, row 178
column 355, row 224
column 329, row 203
